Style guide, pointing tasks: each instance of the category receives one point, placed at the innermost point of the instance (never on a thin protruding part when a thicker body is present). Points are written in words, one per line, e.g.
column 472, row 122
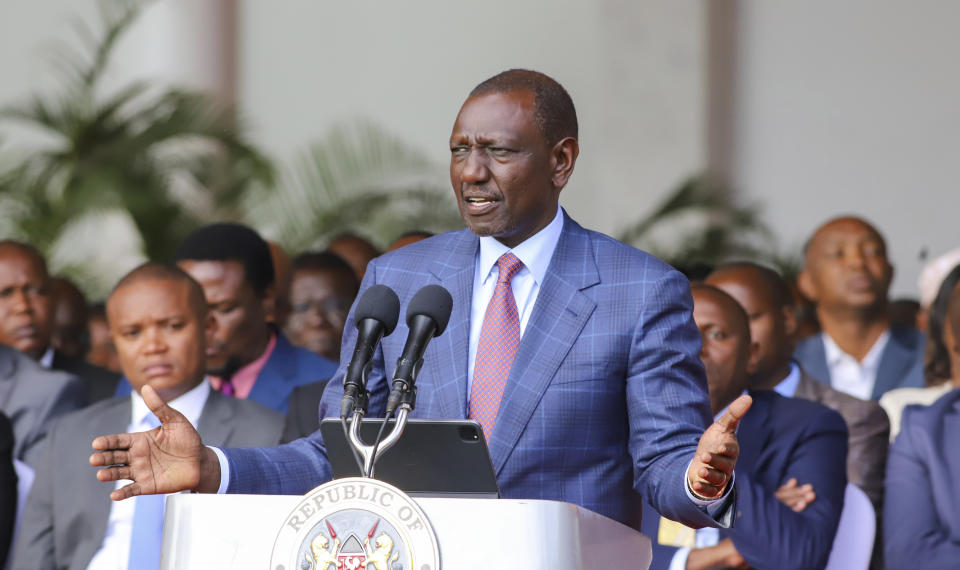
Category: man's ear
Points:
column 209, row 328
column 269, row 303
column 563, row 157
column 805, row 284
column 789, row 320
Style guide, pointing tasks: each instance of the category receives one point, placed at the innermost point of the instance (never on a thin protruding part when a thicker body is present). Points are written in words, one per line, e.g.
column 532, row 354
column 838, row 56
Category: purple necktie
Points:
column 226, row 387
column 499, row 339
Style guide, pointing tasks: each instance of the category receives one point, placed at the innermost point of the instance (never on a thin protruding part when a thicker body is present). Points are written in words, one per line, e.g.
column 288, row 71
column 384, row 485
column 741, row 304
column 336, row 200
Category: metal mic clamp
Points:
column 369, row 453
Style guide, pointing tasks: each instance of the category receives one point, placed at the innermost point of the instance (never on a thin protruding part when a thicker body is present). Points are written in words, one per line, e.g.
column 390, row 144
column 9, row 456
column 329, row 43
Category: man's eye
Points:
column 718, row 335
column 500, row 151
column 129, row 333
column 458, row 149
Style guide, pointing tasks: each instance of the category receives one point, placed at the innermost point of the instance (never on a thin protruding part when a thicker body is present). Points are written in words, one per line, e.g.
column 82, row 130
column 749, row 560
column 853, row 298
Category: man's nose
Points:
column 475, row 167
column 156, row 341
column 21, row 302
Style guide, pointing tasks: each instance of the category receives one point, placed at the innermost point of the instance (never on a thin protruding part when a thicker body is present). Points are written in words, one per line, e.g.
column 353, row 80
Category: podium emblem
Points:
column 356, row 524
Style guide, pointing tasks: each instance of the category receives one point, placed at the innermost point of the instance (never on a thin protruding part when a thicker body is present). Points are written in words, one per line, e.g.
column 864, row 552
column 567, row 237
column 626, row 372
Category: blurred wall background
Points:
column 812, row 108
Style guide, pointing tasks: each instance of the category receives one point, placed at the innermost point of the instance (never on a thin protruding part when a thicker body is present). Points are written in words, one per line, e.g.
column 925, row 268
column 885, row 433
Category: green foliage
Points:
column 169, row 158
column 357, row 178
column 703, row 225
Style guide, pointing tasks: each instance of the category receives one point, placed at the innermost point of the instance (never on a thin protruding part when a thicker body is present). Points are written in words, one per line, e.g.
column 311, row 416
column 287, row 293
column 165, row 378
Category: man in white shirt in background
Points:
column 159, row 323
column 847, row 274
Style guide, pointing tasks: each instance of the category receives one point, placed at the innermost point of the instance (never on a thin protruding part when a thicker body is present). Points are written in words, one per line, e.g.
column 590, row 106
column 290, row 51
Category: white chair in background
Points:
column 853, row 544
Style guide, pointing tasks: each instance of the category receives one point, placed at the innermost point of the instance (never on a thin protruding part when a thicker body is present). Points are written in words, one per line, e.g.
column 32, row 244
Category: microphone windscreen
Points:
column 432, row 301
column 381, row 303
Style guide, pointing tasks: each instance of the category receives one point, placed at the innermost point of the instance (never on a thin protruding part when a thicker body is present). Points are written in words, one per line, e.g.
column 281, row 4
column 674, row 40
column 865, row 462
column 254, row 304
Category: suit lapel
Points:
column 560, row 313
column 115, row 419
column 215, row 425
column 754, row 433
column 813, row 357
column 895, row 362
column 281, row 364
column 456, row 273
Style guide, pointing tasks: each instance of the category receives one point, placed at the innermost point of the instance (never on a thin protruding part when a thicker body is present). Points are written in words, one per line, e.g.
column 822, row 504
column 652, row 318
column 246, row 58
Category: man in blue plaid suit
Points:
column 606, row 397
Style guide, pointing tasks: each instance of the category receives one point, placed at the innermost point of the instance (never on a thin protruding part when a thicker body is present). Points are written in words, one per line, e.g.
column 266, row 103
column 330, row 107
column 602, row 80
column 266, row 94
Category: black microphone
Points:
column 376, row 316
column 427, row 317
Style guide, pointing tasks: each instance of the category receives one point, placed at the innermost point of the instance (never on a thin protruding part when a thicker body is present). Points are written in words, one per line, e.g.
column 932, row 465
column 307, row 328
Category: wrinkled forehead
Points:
column 496, row 115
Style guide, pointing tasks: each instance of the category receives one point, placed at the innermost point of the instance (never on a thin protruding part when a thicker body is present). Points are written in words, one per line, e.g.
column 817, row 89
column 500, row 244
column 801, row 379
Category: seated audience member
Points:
column 8, row 488
column 33, row 397
column 859, row 352
column 355, row 250
column 70, row 315
column 102, row 353
column 922, row 513
column 929, row 281
column 938, row 368
column 782, row 441
column 248, row 357
column 322, row 289
column 766, row 298
column 160, row 324
column 408, row 238
column 26, row 318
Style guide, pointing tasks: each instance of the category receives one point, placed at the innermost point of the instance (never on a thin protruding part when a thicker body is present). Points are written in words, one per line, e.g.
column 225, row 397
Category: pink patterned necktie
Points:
column 499, row 339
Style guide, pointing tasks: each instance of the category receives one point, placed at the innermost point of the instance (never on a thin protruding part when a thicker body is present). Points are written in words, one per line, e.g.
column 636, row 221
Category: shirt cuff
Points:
column 679, row 560
column 224, row 470
column 706, row 502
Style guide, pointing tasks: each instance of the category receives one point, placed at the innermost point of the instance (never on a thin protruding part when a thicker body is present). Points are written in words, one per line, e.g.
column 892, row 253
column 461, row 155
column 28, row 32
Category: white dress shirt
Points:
column 848, row 375
column 535, row 253
column 115, row 550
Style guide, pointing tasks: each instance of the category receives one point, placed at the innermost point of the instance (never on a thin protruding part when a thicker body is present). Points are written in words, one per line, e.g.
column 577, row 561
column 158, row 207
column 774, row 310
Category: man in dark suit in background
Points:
column 27, row 319
column 922, row 511
column 766, row 298
column 160, row 324
column 322, row 289
column 781, row 439
column 248, row 356
column 847, row 274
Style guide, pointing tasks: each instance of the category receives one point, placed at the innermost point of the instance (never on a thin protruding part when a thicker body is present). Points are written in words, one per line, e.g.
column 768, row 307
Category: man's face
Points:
column 846, row 267
column 726, row 351
column 320, row 301
column 768, row 322
column 160, row 338
column 502, row 168
column 25, row 304
column 240, row 316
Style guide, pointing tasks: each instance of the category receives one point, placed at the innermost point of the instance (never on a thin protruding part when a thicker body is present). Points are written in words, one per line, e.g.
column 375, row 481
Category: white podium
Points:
column 238, row 532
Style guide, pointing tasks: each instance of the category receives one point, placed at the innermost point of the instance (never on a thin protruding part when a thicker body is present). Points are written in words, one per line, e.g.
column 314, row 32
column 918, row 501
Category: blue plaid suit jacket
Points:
column 606, row 397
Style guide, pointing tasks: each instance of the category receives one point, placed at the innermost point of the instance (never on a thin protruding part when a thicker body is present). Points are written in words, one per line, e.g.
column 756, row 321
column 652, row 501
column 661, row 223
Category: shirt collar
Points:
column 47, row 359
column 788, row 386
column 190, row 404
column 535, row 252
column 834, row 354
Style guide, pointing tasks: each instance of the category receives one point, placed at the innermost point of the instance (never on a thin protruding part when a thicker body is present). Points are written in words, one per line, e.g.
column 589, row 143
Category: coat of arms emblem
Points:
column 356, row 524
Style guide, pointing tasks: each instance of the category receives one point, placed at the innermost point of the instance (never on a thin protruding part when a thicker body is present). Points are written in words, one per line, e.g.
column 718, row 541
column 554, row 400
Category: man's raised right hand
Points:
column 167, row 459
